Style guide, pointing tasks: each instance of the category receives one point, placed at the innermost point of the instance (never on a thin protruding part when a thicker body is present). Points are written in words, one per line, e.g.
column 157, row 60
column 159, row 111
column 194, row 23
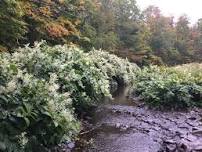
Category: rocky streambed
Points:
column 124, row 125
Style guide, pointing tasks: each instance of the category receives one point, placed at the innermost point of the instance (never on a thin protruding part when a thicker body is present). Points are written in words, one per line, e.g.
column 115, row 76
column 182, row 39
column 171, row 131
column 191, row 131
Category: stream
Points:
column 126, row 125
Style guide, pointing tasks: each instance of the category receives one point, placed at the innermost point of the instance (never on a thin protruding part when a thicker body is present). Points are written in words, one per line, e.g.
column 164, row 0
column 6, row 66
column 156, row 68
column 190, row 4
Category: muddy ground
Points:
column 126, row 125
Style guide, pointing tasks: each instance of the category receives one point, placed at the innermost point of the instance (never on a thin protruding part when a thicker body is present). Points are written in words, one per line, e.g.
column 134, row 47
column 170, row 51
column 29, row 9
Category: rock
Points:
column 191, row 138
column 66, row 150
column 189, row 146
column 128, row 128
column 71, row 145
column 197, row 133
column 171, row 148
column 198, row 148
column 169, row 141
column 169, row 145
column 118, row 125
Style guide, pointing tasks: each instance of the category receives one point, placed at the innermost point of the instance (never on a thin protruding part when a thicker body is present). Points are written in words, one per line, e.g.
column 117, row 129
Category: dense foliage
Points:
column 33, row 114
column 41, row 86
column 45, row 86
column 12, row 26
column 144, row 36
column 27, row 21
column 175, row 87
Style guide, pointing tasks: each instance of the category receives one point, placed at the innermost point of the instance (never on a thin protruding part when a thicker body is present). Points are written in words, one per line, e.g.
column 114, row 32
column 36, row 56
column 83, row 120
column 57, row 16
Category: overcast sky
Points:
column 193, row 8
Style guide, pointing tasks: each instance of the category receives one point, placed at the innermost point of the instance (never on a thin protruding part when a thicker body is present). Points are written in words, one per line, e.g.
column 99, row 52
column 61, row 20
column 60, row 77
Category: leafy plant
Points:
column 86, row 76
column 41, row 87
column 33, row 114
column 176, row 87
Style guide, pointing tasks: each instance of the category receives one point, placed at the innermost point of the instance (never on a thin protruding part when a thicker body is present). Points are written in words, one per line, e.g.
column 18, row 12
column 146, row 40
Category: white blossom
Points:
column 11, row 86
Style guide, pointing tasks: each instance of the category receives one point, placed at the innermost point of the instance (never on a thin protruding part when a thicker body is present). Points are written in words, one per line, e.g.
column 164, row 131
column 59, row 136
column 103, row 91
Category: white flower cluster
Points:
column 53, row 81
column 114, row 66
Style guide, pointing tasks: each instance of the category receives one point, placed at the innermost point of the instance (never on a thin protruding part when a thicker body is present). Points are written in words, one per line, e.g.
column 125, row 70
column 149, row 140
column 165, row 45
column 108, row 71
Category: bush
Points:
column 41, row 86
column 176, row 87
column 32, row 112
column 115, row 67
column 75, row 71
column 85, row 75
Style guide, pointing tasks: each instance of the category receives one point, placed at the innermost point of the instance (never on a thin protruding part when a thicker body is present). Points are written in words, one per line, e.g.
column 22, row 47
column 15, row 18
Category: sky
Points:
column 176, row 8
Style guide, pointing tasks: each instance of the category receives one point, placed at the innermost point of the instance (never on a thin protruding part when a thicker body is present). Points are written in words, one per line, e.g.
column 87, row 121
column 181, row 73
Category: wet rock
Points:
column 169, row 141
column 118, row 125
column 183, row 147
column 71, row 145
column 171, row 147
column 64, row 147
column 197, row 145
column 198, row 149
column 197, row 133
column 123, row 127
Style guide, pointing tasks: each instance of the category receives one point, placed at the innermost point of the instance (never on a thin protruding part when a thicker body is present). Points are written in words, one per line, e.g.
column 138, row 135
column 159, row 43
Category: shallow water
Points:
column 125, row 125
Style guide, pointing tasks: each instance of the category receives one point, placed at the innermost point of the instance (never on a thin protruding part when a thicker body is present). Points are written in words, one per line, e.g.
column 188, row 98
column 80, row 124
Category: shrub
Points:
column 75, row 71
column 33, row 114
column 115, row 67
column 176, row 87
column 85, row 75
column 41, row 86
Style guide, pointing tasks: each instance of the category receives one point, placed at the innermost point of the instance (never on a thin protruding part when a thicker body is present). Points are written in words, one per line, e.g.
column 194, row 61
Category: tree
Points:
column 126, row 9
column 99, row 25
column 196, row 37
column 162, row 37
column 52, row 20
column 183, row 35
column 27, row 21
column 12, row 26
